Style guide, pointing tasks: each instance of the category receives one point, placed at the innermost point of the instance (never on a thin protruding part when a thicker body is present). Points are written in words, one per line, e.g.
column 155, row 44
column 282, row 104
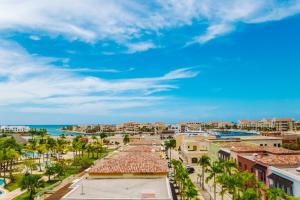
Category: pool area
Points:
column 31, row 154
column 1, row 181
column 224, row 134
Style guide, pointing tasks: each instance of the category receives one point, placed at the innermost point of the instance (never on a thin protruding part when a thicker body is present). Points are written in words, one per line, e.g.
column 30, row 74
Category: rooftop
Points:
column 279, row 160
column 243, row 147
column 131, row 163
column 98, row 189
column 142, row 148
column 144, row 142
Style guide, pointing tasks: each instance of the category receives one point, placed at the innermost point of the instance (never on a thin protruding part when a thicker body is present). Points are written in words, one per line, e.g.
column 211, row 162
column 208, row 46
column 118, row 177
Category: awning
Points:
column 281, row 180
column 259, row 167
column 224, row 153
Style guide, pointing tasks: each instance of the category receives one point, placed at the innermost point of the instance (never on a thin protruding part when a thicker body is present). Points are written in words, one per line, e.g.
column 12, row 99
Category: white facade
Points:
column 15, row 129
column 290, row 174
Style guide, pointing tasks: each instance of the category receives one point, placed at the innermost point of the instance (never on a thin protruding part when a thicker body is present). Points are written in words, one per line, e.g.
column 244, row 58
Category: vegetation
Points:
column 186, row 187
column 43, row 158
column 169, row 145
column 240, row 185
column 31, row 182
column 126, row 139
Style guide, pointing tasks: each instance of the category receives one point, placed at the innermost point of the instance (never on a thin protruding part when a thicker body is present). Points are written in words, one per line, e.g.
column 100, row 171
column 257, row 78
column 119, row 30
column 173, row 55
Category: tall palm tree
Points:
column 169, row 145
column 204, row 162
column 191, row 191
column 213, row 171
column 31, row 182
column 126, row 139
column 41, row 149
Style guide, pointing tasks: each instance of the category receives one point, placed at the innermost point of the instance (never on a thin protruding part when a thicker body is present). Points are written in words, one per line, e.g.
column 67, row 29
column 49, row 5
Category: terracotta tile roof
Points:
column 144, row 142
column 131, row 163
column 142, row 148
column 281, row 151
column 279, row 160
column 241, row 147
column 284, row 119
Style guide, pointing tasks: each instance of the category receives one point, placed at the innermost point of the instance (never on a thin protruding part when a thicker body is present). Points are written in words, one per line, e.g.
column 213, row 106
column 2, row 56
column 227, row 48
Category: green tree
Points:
column 31, row 182
column 213, row 171
column 169, row 145
column 204, row 162
column 126, row 139
column 276, row 194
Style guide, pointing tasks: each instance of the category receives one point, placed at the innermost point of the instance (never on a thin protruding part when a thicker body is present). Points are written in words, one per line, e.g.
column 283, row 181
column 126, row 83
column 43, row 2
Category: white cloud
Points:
column 34, row 37
column 32, row 83
column 125, row 21
column 139, row 47
column 212, row 32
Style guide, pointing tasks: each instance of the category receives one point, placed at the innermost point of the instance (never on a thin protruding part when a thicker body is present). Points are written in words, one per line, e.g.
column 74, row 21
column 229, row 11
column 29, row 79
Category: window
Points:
column 194, row 160
column 278, row 145
column 275, row 145
column 261, row 145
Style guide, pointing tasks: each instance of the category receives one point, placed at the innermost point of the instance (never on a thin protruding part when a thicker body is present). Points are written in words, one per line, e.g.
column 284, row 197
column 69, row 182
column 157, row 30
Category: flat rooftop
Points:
column 108, row 189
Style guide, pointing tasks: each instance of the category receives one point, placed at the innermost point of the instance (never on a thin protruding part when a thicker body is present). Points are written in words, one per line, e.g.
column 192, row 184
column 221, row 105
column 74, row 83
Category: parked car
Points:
column 190, row 169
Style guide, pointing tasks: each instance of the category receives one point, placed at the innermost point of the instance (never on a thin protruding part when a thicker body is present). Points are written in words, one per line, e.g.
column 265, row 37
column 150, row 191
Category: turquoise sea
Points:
column 53, row 129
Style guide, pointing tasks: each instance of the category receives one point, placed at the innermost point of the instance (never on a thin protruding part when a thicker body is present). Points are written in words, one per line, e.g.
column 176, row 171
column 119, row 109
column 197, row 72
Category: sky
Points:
column 98, row 61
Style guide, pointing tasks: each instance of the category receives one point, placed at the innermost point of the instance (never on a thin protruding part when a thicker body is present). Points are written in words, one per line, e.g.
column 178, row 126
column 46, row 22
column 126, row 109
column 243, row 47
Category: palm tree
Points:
column 102, row 136
column 222, row 180
column 41, row 149
column 31, row 182
column 276, row 194
column 126, row 139
column 12, row 155
column 50, row 170
column 191, row 191
column 213, row 171
column 169, row 145
column 204, row 162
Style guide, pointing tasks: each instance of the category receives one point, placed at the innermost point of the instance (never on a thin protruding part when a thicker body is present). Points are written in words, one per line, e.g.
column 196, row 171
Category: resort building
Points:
column 263, row 140
column 192, row 149
column 15, row 129
column 274, row 124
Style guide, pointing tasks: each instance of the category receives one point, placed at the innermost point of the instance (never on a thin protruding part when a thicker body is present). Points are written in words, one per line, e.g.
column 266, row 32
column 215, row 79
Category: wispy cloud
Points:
column 139, row 47
column 104, row 70
column 126, row 22
column 36, row 84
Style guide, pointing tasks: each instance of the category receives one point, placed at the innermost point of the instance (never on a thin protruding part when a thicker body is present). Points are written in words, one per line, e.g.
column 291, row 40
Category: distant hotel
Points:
column 14, row 129
column 275, row 124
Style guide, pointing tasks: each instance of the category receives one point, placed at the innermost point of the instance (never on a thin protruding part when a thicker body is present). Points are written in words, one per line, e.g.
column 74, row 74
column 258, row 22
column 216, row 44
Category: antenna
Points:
column 82, row 193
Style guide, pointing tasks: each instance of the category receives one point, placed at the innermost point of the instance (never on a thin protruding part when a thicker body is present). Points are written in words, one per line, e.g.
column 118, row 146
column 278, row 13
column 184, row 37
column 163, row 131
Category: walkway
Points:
column 11, row 195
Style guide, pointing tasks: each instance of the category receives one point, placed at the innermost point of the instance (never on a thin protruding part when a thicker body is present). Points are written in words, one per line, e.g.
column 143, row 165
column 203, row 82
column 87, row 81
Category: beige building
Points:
column 263, row 140
column 271, row 124
column 192, row 148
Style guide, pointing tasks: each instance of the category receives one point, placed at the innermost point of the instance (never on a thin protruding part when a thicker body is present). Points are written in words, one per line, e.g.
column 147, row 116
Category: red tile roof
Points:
column 131, row 163
column 144, row 142
column 279, row 160
column 142, row 148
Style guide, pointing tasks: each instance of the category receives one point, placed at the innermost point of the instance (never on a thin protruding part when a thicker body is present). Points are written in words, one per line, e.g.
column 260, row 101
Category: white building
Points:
column 15, row 129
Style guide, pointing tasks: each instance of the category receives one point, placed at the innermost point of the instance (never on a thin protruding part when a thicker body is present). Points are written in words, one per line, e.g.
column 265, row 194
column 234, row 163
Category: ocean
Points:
column 53, row 130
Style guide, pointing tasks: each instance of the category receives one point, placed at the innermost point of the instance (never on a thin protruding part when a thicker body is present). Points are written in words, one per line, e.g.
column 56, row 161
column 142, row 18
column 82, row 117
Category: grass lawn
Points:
column 24, row 196
column 16, row 184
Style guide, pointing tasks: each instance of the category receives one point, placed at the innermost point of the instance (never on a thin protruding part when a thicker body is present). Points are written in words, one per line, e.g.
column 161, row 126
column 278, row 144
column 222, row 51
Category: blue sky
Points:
column 91, row 61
